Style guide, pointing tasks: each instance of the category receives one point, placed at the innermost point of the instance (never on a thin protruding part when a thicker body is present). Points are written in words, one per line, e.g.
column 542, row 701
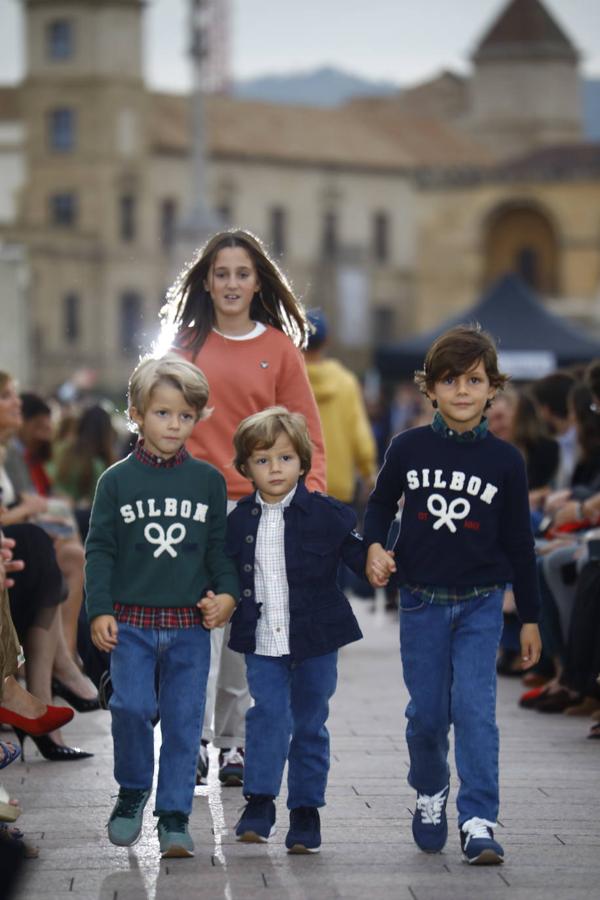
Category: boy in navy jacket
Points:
column 465, row 533
column 292, row 617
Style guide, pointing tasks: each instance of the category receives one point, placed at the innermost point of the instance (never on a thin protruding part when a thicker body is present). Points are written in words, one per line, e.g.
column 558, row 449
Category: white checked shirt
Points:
column 270, row 580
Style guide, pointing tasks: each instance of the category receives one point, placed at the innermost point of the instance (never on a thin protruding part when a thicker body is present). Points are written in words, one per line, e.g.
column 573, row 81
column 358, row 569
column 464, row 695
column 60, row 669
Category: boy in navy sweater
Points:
column 291, row 620
column 465, row 533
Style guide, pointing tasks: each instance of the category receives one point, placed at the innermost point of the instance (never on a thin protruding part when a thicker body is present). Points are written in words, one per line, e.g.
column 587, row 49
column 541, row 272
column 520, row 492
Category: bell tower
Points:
column 525, row 89
column 83, row 210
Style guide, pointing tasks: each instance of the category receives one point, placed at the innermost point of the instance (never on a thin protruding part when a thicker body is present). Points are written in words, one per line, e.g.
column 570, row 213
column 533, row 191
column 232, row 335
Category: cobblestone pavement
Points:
column 550, row 780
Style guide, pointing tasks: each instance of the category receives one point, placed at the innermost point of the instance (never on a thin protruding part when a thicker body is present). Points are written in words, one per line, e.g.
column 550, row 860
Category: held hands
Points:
column 531, row 645
column 104, row 631
column 217, row 609
column 380, row 565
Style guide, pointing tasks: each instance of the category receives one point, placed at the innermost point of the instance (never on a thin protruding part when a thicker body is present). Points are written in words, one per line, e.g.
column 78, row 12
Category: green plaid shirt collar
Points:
column 467, row 437
column 447, row 596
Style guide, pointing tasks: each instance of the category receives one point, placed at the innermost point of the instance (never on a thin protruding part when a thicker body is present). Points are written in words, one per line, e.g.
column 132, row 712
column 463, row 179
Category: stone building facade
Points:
column 379, row 210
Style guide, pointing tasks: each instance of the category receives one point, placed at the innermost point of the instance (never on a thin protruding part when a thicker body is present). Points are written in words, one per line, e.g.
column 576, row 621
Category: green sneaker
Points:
column 173, row 835
column 125, row 823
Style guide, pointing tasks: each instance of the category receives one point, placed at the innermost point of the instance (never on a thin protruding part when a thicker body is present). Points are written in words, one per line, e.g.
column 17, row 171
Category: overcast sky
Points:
column 398, row 40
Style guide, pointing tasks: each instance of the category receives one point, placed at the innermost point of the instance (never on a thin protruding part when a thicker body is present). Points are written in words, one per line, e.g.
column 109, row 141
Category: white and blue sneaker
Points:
column 478, row 845
column 429, row 824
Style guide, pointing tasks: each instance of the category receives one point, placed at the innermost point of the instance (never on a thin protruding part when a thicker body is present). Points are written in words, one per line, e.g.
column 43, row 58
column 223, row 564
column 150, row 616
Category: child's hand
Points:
column 531, row 645
column 380, row 565
column 7, row 563
column 104, row 631
column 217, row 609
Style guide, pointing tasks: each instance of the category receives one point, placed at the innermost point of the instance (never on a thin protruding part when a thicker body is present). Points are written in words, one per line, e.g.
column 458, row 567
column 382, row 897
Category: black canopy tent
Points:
column 531, row 340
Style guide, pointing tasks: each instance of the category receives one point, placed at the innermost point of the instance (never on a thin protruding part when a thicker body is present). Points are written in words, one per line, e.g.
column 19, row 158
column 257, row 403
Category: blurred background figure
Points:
column 551, row 395
column 350, row 448
column 79, row 460
column 349, row 442
column 35, row 440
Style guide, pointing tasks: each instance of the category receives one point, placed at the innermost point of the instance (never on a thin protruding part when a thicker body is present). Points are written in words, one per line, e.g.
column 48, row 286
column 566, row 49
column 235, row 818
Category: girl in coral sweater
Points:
column 235, row 316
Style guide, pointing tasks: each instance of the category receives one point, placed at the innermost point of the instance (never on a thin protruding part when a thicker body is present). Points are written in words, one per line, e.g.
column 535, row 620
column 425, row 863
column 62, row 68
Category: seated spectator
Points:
column 22, row 442
column 17, row 705
column 551, row 395
column 513, row 417
column 35, row 440
column 572, row 572
column 80, row 461
column 36, row 594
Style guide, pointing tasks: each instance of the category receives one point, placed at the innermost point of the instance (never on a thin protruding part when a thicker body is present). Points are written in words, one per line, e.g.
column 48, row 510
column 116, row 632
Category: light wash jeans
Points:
column 449, row 664
column 287, row 721
column 159, row 672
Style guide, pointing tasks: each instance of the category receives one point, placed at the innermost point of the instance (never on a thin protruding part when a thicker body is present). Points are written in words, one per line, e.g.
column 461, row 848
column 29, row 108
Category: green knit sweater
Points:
column 157, row 537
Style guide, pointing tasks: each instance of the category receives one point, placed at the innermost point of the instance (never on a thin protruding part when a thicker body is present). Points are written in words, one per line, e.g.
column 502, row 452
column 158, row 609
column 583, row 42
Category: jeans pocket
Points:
column 411, row 602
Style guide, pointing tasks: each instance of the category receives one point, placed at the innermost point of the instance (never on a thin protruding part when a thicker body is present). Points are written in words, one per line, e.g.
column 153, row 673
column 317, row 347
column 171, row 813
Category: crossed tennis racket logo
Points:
column 447, row 513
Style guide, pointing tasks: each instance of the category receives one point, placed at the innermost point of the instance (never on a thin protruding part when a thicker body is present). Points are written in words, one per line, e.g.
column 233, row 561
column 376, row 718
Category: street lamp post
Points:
column 198, row 221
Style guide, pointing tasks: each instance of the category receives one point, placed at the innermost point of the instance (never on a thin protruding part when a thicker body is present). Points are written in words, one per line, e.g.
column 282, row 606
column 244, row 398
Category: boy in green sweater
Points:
column 157, row 581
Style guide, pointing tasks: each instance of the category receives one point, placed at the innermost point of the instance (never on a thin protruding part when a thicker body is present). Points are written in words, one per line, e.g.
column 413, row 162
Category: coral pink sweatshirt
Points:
column 245, row 377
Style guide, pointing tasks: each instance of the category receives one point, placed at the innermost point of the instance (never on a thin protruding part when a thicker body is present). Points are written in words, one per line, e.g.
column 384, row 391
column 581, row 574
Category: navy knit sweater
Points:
column 466, row 518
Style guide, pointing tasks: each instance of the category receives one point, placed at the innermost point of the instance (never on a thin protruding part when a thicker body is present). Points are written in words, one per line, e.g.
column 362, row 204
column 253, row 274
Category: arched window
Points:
column 521, row 239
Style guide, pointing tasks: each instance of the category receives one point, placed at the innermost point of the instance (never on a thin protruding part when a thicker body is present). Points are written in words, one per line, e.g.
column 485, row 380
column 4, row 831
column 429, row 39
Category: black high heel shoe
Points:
column 50, row 749
column 79, row 703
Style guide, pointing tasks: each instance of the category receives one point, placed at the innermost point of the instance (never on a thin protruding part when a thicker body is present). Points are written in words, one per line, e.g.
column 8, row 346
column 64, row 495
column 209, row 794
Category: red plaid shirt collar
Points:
column 158, row 617
column 157, row 462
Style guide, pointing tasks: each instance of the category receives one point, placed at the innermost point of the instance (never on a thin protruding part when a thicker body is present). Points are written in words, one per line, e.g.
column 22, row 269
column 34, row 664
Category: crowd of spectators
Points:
column 50, row 460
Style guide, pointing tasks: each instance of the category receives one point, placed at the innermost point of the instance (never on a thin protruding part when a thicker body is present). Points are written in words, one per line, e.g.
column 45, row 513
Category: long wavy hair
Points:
column 94, row 439
column 189, row 312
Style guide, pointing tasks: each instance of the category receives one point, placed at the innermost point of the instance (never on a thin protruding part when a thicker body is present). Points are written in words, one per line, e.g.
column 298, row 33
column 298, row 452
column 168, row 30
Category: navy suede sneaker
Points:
column 478, row 845
column 257, row 823
column 304, row 835
column 429, row 825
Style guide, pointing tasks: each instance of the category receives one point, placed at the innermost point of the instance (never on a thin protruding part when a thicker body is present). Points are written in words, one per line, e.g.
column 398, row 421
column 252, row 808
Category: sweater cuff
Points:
column 229, row 585
column 99, row 608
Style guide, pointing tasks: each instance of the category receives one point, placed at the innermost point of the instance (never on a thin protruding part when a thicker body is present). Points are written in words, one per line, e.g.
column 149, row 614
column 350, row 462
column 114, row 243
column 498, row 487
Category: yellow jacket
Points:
column 349, row 443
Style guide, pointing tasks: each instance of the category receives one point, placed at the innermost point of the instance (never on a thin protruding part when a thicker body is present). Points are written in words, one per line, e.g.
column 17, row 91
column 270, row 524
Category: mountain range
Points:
column 328, row 87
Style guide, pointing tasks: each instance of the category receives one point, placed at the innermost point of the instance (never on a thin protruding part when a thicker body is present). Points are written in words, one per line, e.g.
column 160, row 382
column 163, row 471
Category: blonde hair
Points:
column 169, row 369
column 261, row 430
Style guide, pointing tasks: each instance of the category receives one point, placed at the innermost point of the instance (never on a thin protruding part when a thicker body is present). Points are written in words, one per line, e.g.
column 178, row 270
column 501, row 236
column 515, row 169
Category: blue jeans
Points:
column 287, row 721
column 449, row 663
column 176, row 661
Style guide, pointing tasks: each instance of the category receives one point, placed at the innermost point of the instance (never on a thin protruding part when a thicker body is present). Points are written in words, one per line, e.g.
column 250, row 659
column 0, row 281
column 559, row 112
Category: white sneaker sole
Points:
column 253, row 837
column 176, row 852
column 485, row 858
column 300, row 848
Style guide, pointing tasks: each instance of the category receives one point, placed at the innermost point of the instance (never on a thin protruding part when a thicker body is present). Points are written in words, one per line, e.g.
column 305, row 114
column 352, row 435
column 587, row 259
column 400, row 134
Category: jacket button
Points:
column 247, row 567
column 255, row 511
column 247, row 592
column 249, row 539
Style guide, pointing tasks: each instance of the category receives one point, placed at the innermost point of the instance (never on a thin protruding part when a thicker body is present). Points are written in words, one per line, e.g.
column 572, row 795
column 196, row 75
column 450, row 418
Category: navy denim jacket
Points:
column 318, row 532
